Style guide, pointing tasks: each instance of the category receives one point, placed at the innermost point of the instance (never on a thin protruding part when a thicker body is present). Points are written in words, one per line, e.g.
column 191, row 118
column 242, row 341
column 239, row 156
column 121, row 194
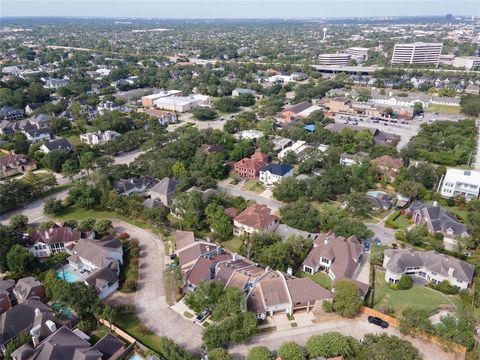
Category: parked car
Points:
column 202, row 316
column 366, row 246
column 377, row 321
column 378, row 241
column 173, row 256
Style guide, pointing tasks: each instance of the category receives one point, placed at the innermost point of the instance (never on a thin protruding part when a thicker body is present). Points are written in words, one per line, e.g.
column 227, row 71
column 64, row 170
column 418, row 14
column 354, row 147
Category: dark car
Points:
column 173, row 256
column 202, row 316
column 377, row 321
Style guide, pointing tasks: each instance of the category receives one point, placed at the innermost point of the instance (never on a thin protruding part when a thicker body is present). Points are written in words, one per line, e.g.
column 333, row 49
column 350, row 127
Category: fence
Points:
column 118, row 331
column 450, row 346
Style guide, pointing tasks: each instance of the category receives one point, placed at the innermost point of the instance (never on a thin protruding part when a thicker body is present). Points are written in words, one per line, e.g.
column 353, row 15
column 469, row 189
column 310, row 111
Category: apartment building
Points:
column 417, row 53
column 459, row 182
column 333, row 59
column 467, row 62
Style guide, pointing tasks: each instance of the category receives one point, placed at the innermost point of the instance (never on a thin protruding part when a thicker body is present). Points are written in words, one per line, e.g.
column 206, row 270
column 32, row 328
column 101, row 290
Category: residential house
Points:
column 285, row 232
column 27, row 288
column 11, row 165
column 33, row 132
column 255, row 219
column 457, row 182
column 66, row 344
column 101, row 260
column 9, row 113
column 250, row 167
column 203, row 268
column 189, row 253
column 99, row 137
column 55, row 83
column 299, row 149
column 30, row 316
column 438, row 220
column 387, row 166
column 164, row 190
column 57, row 144
column 291, row 113
column 249, row 134
column 7, row 298
column 353, row 159
column 280, row 143
column 135, row 185
column 379, row 200
column 43, row 243
column 163, row 117
column 337, row 256
column 472, row 89
column 431, row 266
column 183, row 239
column 272, row 173
column 238, row 91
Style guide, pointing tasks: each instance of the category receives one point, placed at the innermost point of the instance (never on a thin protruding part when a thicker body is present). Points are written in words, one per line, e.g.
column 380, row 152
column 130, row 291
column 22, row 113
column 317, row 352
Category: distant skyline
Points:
column 201, row 9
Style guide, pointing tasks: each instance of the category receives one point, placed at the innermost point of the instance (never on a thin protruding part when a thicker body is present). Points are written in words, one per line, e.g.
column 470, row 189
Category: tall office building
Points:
column 333, row 59
column 417, row 53
column 358, row 53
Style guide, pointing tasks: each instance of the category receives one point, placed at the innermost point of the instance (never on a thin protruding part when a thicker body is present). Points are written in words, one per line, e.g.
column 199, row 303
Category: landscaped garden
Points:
column 417, row 297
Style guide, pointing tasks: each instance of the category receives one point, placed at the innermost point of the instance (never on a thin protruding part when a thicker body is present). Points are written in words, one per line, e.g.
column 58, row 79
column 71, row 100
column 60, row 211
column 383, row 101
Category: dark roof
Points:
column 25, row 286
column 166, row 186
column 298, row 108
column 110, row 346
column 125, row 185
column 55, row 235
column 58, row 144
column 101, row 278
column 440, row 218
column 277, row 169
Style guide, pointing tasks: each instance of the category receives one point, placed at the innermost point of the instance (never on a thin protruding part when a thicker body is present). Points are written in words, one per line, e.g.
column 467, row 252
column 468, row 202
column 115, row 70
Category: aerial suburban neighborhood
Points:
column 230, row 180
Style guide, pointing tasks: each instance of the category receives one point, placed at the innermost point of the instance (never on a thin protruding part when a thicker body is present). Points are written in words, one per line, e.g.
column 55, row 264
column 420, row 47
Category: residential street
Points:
column 386, row 235
column 150, row 301
column 236, row 191
column 357, row 328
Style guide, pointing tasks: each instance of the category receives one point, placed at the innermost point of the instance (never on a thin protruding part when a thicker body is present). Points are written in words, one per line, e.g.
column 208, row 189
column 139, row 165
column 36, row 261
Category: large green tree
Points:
column 346, row 299
column 291, row 351
column 331, row 344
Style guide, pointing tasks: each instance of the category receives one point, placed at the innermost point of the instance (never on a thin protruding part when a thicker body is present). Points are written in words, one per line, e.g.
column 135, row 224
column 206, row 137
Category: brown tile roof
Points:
column 255, row 162
column 183, row 239
column 241, row 278
column 255, row 302
column 305, row 290
column 203, row 267
column 345, row 250
column 227, row 269
column 273, row 289
column 191, row 253
column 256, row 216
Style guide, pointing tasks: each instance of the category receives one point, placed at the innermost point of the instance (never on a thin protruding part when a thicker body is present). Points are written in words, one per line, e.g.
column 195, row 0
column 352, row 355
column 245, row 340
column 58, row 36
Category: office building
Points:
column 358, row 53
column 459, row 182
column 148, row 100
column 417, row 53
column 467, row 62
column 333, row 59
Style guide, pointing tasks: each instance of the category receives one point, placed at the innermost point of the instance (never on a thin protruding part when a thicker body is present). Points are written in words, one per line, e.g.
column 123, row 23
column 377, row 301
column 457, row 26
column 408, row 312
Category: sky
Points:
column 210, row 9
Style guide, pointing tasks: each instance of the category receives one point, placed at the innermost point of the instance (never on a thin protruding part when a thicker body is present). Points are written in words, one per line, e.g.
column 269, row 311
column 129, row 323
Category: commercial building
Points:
column 333, row 59
column 181, row 103
column 358, row 53
column 148, row 100
column 465, row 183
column 467, row 62
column 417, row 53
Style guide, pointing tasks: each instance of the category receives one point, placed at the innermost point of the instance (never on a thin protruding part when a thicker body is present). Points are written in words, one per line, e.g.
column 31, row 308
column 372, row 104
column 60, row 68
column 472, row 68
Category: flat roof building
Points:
column 467, row 62
column 359, row 53
column 180, row 103
column 333, row 59
column 148, row 100
column 417, row 53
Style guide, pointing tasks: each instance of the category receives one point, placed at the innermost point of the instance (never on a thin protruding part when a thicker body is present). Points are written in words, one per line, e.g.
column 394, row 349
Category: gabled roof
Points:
column 203, row 269
column 57, row 144
column 440, row 218
column 304, row 290
column 103, row 277
column 125, row 185
column 25, row 286
column 277, row 169
column 97, row 251
column 256, row 216
column 110, row 346
column 183, row 239
column 55, row 235
column 298, row 108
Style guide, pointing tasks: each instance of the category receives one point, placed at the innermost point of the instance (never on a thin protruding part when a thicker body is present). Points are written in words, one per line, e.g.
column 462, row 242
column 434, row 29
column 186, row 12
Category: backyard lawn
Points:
column 444, row 109
column 402, row 222
column 417, row 297
column 99, row 333
column 233, row 244
column 320, row 278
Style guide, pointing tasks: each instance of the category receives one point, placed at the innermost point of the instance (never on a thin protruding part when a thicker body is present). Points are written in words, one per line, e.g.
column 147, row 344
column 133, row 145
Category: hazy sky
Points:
column 236, row 9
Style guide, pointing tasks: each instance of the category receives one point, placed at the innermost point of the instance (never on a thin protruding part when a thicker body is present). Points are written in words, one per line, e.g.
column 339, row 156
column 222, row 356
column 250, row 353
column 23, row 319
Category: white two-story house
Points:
column 271, row 174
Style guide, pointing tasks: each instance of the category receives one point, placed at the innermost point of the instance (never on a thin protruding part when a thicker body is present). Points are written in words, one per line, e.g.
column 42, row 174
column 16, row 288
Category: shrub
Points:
column 327, row 306
column 219, row 354
column 291, row 351
column 446, row 288
column 405, row 282
column 87, row 325
column 346, row 301
column 259, row 353
column 329, row 345
column 130, row 285
column 400, row 235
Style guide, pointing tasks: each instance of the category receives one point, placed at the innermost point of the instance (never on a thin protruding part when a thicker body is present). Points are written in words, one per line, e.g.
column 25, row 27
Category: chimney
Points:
column 35, row 341
column 51, row 325
column 267, row 269
column 207, row 248
column 37, row 312
column 327, row 240
column 450, row 271
column 35, row 331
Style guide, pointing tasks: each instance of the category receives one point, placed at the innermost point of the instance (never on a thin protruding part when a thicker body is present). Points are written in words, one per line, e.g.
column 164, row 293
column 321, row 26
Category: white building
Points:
column 429, row 265
column 148, row 100
column 55, row 83
column 297, row 148
column 249, row 134
column 270, row 174
column 98, row 138
column 352, row 159
column 467, row 62
column 280, row 79
column 333, row 59
column 459, row 182
column 358, row 53
column 417, row 53
column 181, row 103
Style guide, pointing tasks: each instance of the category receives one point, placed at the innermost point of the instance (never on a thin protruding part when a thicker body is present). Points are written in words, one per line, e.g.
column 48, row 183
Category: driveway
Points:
column 150, row 301
column 357, row 328
column 386, row 235
column 259, row 199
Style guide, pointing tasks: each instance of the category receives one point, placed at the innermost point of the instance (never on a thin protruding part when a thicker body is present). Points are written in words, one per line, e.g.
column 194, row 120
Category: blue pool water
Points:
column 374, row 193
column 67, row 276
column 136, row 357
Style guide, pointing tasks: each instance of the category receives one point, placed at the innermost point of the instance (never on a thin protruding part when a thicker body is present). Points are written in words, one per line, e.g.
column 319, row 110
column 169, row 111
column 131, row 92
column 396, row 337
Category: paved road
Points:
column 357, row 328
column 236, row 191
column 127, row 158
column 386, row 235
column 150, row 300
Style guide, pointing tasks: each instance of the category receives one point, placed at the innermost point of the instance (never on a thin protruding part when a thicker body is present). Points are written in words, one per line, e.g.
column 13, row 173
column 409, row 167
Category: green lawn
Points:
column 129, row 322
column 254, row 186
column 402, row 222
column 398, row 300
column 320, row 278
column 233, row 244
column 99, row 333
column 74, row 213
column 444, row 109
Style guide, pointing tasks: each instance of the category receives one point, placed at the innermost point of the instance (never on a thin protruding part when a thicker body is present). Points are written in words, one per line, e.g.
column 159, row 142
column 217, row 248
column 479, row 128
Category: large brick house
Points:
column 250, row 167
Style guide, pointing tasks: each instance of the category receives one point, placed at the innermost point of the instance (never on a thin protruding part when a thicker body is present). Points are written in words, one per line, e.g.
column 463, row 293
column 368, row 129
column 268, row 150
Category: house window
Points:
column 325, row 261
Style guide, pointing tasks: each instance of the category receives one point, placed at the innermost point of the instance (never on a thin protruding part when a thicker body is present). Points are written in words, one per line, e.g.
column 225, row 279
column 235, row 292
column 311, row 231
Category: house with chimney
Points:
column 14, row 164
column 337, row 256
column 255, row 219
column 7, row 298
column 164, row 190
column 43, row 243
column 135, row 185
column 250, row 167
column 431, row 266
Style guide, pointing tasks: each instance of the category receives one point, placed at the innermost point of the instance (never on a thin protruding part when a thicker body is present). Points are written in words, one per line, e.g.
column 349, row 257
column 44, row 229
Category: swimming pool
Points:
column 375, row 193
column 62, row 310
column 136, row 357
column 67, row 276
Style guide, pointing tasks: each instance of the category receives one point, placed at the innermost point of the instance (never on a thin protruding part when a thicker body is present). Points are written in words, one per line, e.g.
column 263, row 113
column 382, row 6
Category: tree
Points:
column 330, row 344
column 189, row 207
column 53, row 207
column 246, row 99
column 179, row 170
column 59, row 124
column 259, row 353
column 86, row 224
column 385, row 347
column 70, row 168
column 20, row 259
column 405, row 282
column 203, row 113
column 84, row 195
column 227, row 104
column 364, row 94
column 346, row 301
column 357, row 203
column 206, row 296
column 219, row 354
column 55, row 159
column 417, row 108
column 470, row 104
column 87, row 160
column 288, row 189
column 309, row 219
column 8, row 239
column 220, row 223
column 415, row 319
column 102, row 227
column 18, row 222
column 388, row 111
column 291, row 351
